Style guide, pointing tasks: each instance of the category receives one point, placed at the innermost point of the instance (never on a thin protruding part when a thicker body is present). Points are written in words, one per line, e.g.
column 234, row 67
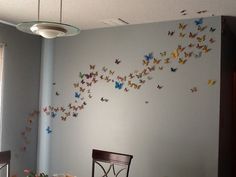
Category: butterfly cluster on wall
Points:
column 200, row 40
column 199, row 44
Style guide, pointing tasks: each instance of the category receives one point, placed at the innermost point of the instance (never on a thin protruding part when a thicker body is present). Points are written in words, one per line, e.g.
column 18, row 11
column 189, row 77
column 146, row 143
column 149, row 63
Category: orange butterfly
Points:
column 206, row 49
column 175, row 54
column 145, row 62
column 182, row 61
column 156, row 61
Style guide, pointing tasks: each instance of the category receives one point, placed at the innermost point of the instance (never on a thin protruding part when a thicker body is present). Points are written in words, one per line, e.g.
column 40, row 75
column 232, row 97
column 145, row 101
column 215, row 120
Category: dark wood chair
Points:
column 113, row 159
column 5, row 158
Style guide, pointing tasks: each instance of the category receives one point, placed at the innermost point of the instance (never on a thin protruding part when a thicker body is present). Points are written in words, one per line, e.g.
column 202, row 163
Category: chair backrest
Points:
column 5, row 158
column 113, row 159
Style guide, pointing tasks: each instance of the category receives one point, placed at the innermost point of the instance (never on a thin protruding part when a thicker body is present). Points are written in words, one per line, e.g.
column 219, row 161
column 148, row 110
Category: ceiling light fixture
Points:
column 47, row 29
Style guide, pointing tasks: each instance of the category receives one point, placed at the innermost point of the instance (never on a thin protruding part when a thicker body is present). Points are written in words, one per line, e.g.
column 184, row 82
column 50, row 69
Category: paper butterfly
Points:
column 104, row 69
column 182, row 61
column 163, row 54
column 194, row 89
column 57, row 94
column 198, row 55
column 180, row 48
column 92, row 67
column 126, row 89
column 156, row 61
column 131, row 76
column 49, row 130
column 182, row 26
column 77, row 95
column 201, row 39
column 206, row 49
column 81, row 75
column 212, row 29
column 191, row 45
column 182, row 11
column 211, row 40
column 181, row 35
column 211, row 82
column 159, row 86
column 104, row 99
column 118, row 85
column 145, row 62
column 171, row 33
column 192, row 35
column 199, row 21
column 201, row 28
column 202, row 11
column 75, row 114
column 173, row 69
column 148, row 57
column 175, row 54
column 146, row 102
column 117, row 61
column 53, row 114
column 63, row 118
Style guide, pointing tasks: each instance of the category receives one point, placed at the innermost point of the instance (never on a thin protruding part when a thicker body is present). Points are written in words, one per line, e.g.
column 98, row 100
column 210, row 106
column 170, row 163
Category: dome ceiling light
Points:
column 48, row 29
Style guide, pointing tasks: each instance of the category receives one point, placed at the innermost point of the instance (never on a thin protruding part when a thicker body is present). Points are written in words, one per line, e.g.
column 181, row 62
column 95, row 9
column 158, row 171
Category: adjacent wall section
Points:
column 20, row 97
column 150, row 90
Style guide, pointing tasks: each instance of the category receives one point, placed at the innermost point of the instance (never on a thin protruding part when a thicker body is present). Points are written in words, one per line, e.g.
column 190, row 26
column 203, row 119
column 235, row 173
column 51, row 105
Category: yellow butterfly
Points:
column 211, row 82
column 145, row 62
column 182, row 61
column 175, row 54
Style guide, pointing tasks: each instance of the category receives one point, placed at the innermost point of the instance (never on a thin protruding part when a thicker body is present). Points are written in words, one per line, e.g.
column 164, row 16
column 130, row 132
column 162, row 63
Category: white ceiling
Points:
column 88, row 14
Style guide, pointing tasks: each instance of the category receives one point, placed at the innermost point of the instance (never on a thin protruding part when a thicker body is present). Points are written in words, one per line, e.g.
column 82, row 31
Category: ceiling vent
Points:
column 115, row 22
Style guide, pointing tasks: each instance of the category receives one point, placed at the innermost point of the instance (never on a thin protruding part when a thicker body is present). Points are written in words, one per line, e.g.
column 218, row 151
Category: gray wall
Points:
column 20, row 96
column 175, row 134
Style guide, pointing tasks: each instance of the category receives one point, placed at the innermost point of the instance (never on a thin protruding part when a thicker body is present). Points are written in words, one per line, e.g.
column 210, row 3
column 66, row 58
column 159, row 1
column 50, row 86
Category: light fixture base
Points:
column 48, row 29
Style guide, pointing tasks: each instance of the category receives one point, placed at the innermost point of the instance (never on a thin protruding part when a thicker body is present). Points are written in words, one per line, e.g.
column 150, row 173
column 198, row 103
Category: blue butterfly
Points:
column 53, row 114
column 77, row 95
column 118, row 85
column 199, row 21
column 149, row 56
column 49, row 130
